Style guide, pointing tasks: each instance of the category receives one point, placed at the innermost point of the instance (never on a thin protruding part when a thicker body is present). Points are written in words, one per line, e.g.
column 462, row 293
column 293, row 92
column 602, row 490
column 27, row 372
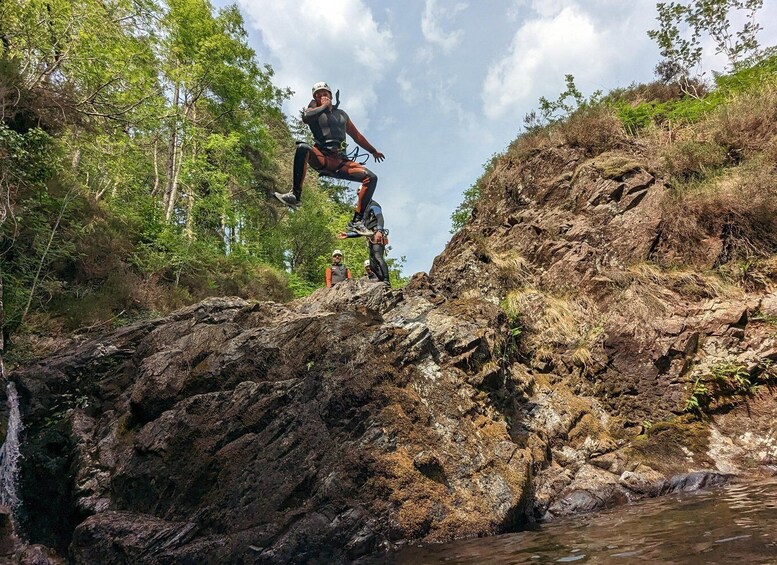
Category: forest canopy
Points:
column 139, row 143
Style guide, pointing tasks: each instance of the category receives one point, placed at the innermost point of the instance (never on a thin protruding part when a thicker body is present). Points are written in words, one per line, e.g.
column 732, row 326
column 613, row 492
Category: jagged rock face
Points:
column 237, row 432
column 543, row 368
column 563, row 224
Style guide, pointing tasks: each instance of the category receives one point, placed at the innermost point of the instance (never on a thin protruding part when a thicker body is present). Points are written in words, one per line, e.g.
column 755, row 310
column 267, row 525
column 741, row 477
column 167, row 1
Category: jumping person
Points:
column 337, row 272
column 376, row 241
column 329, row 126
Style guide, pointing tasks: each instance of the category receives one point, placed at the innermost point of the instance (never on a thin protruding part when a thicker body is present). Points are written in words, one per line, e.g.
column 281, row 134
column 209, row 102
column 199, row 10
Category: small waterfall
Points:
column 9, row 452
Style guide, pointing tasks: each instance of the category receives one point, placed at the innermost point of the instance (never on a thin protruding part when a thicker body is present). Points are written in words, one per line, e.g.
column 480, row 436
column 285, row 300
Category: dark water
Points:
column 732, row 524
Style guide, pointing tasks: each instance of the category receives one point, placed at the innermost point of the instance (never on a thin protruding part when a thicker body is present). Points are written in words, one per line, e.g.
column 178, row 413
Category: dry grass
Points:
column 689, row 284
column 532, row 142
column 649, row 293
column 514, row 270
column 730, row 217
column 748, row 123
column 758, row 274
column 595, row 129
column 693, row 159
column 742, row 128
column 555, row 325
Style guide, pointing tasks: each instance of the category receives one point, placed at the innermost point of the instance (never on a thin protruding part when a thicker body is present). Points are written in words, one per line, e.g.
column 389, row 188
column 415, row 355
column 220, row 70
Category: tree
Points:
column 682, row 28
column 140, row 141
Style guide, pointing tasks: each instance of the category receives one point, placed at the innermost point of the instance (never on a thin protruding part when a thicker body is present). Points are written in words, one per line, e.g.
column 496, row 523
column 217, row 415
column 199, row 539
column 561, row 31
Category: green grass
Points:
column 689, row 108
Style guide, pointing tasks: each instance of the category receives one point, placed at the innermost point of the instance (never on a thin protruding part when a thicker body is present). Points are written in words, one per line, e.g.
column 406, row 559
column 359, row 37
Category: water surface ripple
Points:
column 732, row 524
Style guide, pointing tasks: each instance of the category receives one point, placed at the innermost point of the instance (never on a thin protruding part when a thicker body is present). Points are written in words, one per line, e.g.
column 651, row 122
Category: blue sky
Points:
column 439, row 86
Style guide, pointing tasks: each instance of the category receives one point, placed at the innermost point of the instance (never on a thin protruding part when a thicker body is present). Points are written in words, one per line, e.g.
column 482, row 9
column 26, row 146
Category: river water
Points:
column 732, row 524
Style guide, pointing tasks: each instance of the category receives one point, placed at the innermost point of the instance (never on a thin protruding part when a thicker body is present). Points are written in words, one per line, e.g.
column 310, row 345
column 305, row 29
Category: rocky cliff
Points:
column 556, row 359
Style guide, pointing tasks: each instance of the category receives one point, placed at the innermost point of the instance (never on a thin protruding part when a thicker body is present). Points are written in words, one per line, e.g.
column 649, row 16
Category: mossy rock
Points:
column 668, row 446
column 615, row 165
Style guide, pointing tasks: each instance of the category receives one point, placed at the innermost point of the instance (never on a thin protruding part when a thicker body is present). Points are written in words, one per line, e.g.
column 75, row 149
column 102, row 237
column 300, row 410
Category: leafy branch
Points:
column 683, row 27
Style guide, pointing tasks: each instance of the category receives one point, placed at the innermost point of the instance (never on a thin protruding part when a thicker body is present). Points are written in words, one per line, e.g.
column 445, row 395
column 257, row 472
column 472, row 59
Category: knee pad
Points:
column 303, row 147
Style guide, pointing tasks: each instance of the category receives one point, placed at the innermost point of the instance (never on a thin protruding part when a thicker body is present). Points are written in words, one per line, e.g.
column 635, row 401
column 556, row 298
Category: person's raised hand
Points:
column 378, row 156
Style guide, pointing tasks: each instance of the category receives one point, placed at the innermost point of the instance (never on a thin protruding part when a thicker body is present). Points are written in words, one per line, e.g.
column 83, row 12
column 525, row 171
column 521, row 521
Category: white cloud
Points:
column 407, row 89
column 541, row 53
column 551, row 8
column 431, row 26
column 337, row 42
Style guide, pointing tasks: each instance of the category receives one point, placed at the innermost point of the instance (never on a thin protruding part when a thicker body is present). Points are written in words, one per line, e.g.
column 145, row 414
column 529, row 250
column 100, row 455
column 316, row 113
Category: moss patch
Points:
column 669, row 446
column 615, row 165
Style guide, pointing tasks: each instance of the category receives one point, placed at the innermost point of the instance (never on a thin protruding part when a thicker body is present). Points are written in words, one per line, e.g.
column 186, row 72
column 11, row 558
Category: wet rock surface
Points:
column 237, row 432
column 361, row 417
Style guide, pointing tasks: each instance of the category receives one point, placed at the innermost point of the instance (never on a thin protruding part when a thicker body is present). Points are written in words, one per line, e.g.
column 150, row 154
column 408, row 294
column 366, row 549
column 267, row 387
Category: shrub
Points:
column 734, row 214
column 593, row 128
column 693, row 159
column 657, row 91
column 726, row 382
column 640, row 106
column 748, row 123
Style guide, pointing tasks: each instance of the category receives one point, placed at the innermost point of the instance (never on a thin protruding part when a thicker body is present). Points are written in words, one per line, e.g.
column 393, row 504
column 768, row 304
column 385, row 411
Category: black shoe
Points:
column 288, row 199
column 358, row 226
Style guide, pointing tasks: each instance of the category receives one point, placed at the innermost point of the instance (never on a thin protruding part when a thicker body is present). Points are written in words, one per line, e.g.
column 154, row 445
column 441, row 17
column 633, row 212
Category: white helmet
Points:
column 366, row 262
column 337, row 252
column 321, row 86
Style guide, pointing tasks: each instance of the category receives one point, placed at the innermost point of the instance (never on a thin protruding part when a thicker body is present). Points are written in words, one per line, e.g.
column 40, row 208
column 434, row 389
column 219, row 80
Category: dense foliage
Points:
column 140, row 142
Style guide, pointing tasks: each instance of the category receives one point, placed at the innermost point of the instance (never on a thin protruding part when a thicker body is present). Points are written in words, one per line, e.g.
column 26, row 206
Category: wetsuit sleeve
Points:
column 312, row 112
column 378, row 216
column 328, row 277
column 351, row 234
column 351, row 130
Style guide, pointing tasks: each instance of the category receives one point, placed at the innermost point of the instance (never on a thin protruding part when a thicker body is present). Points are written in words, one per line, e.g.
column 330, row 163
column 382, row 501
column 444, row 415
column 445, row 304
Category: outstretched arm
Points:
column 347, row 235
column 351, row 130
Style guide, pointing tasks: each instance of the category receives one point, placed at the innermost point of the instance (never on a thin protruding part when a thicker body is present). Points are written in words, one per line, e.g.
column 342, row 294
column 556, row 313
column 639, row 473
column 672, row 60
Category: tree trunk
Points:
column 172, row 151
column 178, row 158
column 76, row 160
column 190, row 215
column 191, row 113
column 226, row 236
column 156, row 168
column 43, row 257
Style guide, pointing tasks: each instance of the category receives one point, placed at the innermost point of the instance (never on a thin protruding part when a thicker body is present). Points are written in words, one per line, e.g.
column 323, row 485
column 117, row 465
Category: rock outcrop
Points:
column 544, row 367
column 238, row 432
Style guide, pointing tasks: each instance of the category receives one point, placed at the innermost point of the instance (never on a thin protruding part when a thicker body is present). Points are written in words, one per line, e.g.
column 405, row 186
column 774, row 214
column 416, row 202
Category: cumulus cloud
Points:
column 338, row 42
column 431, row 26
column 541, row 53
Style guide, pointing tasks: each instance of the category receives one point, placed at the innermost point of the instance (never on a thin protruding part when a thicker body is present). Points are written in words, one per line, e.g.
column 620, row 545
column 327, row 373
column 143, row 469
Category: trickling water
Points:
column 9, row 452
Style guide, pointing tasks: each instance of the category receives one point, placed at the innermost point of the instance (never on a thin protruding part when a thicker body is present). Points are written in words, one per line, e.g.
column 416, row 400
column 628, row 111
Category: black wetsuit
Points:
column 327, row 127
column 373, row 219
column 327, row 156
